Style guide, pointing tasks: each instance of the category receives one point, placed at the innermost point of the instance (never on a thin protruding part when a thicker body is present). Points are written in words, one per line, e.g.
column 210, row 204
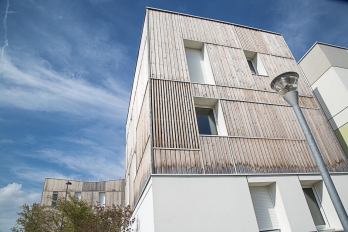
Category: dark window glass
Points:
column 206, row 121
column 54, row 203
column 313, row 207
column 251, row 66
column 55, row 196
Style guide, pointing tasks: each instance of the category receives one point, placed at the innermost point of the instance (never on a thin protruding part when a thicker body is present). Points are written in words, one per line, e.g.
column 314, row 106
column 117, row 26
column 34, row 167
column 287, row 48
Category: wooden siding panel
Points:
column 167, row 55
column 275, row 44
column 251, row 40
column 270, row 156
column 174, row 119
column 216, row 155
column 143, row 172
column 200, row 90
column 252, row 120
column 230, row 67
column 332, row 155
column 208, row 31
column 277, row 65
column 171, row 161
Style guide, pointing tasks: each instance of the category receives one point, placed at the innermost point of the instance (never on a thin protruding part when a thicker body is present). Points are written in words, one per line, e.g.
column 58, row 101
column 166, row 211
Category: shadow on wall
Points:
column 342, row 132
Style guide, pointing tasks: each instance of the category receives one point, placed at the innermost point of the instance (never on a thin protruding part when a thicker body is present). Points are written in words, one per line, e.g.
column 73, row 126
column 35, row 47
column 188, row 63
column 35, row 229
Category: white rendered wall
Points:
column 332, row 92
column 143, row 213
column 202, row 203
column 290, row 204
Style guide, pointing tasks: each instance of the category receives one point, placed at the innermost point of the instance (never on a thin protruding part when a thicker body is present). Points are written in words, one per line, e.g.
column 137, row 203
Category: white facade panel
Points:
column 202, row 203
column 331, row 92
column 143, row 213
column 339, row 120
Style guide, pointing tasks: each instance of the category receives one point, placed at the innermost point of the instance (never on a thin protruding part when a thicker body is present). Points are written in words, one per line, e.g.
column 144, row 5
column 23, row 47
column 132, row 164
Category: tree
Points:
column 73, row 215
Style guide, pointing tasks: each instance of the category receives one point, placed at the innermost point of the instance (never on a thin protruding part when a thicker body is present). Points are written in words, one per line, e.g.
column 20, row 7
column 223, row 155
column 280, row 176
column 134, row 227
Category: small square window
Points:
column 206, row 121
column 77, row 195
column 255, row 63
column 54, row 203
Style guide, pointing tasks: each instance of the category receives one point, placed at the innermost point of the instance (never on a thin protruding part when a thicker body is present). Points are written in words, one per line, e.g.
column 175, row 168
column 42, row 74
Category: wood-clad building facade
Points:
column 105, row 193
column 187, row 64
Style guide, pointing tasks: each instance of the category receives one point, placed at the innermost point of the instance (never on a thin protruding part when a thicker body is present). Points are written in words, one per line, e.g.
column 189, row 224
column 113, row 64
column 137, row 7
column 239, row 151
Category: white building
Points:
column 326, row 69
column 210, row 146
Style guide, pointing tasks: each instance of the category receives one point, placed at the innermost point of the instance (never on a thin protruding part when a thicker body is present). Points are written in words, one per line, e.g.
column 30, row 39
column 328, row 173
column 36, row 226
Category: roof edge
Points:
column 214, row 20
column 322, row 43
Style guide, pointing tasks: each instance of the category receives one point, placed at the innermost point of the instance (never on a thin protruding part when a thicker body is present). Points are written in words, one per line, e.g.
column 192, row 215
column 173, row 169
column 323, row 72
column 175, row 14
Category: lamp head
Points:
column 285, row 83
column 68, row 183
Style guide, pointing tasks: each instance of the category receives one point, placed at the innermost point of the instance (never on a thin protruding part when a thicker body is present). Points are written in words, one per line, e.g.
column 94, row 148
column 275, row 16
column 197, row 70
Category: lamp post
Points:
column 286, row 85
column 66, row 194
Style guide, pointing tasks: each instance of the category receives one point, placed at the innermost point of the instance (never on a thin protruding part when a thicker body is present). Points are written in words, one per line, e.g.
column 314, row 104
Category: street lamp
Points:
column 286, row 85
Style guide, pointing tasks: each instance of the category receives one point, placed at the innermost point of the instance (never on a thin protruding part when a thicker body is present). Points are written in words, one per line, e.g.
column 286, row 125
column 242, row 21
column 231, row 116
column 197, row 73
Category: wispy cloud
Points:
column 40, row 88
column 11, row 197
column 4, row 21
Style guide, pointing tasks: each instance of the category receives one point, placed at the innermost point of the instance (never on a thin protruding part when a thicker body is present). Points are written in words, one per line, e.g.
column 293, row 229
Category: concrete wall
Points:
column 223, row 202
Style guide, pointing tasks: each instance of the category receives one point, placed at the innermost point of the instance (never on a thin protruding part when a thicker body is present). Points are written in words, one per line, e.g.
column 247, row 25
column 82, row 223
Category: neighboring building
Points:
column 210, row 146
column 326, row 69
column 103, row 193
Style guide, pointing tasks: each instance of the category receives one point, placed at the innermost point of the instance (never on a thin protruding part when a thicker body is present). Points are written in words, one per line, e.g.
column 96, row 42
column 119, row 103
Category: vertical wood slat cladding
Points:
column 260, row 120
column 277, row 65
column 217, row 157
column 143, row 172
column 167, row 54
column 251, row 40
column 208, row 31
column 333, row 156
column 276, row 45
column 257, row 96
column 143, row 128
column 230, row 67
column 174, row 119
column 271, row 156
column 200, row 90
column 168, row 161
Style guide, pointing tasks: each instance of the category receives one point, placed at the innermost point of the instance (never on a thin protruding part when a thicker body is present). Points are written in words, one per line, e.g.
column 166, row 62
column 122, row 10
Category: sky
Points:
column 66, row 71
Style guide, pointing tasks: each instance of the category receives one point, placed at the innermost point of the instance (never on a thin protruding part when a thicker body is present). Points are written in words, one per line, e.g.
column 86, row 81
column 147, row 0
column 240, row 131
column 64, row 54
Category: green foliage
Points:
column 73, row 215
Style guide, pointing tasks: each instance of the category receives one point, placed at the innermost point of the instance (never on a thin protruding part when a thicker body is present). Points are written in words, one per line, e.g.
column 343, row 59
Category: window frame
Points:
column 322, row 211
column 215, row 117
column 254, row 72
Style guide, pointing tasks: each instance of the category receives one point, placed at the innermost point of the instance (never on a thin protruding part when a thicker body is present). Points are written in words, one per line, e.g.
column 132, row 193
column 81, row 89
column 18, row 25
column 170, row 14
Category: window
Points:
column 264, row 208
column 206, row 121
column 252, row 67
column 198, row 62
column 101, row 199
column 54, row 198
column 209, row 116
column 315, row 208
column 255, row 63
column 77, row 195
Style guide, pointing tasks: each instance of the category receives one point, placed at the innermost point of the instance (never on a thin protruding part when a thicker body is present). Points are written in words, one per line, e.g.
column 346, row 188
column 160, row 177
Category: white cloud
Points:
column 11, row 197
column 40, row 88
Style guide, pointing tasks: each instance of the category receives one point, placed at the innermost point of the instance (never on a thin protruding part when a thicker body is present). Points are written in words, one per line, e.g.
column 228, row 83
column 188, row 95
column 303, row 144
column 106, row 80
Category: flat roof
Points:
column 214, row 20
column 322, row 43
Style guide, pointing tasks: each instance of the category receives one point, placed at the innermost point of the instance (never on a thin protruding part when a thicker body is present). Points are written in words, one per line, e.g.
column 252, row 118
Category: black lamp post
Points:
column 286, row 85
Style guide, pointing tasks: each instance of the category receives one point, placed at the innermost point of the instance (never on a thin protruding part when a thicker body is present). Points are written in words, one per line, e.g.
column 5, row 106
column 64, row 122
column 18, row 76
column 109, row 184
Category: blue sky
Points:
column 66, row 71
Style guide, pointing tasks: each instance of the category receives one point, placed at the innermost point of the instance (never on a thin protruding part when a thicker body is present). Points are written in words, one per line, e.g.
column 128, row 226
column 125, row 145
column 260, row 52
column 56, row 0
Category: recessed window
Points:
column 209, row 117
column 315, row 208
column 54, row 198
column 77, row 195
column 255, row 63
column 206, row 121
column 198, row 62
column 264, row 208
column 102, row 199
column 252, row 67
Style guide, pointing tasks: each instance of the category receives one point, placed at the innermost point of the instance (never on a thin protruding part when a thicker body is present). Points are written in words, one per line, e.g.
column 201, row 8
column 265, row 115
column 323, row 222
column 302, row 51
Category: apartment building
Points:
column 104, row 193
column 210, row 146
column 326, row 68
